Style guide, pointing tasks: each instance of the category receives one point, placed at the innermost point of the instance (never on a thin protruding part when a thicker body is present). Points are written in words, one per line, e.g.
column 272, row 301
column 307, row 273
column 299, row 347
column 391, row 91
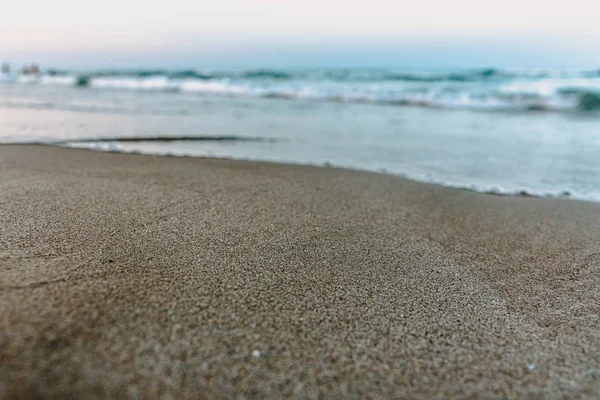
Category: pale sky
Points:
column 178, row 33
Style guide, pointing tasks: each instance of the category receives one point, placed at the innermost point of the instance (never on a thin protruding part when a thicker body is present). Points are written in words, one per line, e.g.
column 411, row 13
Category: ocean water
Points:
column 500, row 130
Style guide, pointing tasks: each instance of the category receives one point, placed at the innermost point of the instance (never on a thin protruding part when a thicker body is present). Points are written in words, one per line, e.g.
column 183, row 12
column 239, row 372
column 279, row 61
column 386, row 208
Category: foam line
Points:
column 136, row 139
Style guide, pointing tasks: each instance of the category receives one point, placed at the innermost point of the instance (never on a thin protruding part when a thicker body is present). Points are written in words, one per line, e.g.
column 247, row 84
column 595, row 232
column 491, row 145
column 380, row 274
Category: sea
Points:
column 496, row 130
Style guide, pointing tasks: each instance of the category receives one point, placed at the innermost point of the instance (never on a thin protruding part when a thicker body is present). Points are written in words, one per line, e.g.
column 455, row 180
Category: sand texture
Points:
column 143, row 277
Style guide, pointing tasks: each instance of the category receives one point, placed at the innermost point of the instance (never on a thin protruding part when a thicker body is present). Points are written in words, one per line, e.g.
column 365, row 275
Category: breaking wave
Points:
column 487, row 89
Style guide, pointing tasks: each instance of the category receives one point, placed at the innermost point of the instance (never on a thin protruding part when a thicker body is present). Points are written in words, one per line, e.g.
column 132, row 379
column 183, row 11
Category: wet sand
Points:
column 135, row 276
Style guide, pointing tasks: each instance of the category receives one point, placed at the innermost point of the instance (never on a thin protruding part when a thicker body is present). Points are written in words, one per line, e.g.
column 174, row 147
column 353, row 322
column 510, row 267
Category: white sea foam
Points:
column 143, row 84
column 29, row 79
column 549, row 87
column 215, row 87
column 67, row 80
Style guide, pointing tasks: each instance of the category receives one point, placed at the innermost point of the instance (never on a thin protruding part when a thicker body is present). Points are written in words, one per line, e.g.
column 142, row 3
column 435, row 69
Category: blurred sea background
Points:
column 500, row 130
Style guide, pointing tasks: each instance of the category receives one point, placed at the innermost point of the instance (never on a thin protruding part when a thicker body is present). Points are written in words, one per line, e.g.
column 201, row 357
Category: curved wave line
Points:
column 136, row 139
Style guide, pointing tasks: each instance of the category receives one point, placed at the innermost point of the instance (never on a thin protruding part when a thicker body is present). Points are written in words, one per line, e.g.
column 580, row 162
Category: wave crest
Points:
column 488, row 89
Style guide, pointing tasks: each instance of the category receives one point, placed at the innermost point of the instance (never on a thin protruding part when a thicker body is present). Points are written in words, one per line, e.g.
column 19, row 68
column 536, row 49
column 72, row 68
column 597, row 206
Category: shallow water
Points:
column 543, row 143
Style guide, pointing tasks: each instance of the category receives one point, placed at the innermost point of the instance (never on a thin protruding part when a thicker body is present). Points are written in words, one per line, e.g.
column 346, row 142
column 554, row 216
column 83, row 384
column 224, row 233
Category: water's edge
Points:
column 490, row 191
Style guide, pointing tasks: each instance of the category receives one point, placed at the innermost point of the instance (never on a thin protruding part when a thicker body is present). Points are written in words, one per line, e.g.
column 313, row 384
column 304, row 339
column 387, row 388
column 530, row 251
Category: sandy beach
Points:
column 136, row 276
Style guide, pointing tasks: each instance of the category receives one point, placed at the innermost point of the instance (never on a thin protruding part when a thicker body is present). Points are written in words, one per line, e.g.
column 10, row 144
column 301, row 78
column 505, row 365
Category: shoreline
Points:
column 125, row 275
column 493, row 190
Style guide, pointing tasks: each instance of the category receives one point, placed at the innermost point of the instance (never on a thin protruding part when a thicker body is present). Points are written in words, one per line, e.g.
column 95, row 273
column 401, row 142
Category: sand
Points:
column 135, row 276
